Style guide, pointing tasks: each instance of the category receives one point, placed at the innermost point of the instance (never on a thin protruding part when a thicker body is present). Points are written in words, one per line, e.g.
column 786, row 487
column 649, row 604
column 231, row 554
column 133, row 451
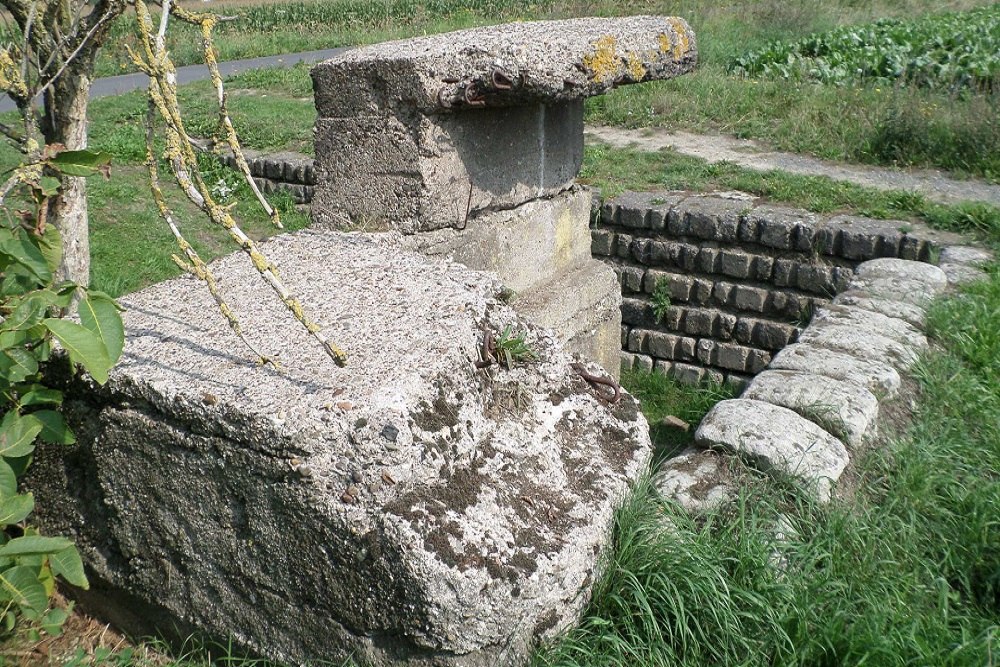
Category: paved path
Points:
column 116, row 85
column 933, row 184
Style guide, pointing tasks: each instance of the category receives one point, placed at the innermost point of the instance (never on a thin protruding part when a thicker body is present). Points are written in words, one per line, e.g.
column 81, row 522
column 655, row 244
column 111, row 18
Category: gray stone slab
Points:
column 842, row 408
column 696, row 479
column 861, row 344
column 899, row 280
column 775, row 437
column 865, row 320
column 513, row 64
column 969, row 255
column 407, row 508
column 908, row 312
column 879, row 378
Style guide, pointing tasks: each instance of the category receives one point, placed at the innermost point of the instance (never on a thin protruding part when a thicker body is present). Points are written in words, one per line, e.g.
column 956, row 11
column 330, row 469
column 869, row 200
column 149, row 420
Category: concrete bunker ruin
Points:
column 412, row 508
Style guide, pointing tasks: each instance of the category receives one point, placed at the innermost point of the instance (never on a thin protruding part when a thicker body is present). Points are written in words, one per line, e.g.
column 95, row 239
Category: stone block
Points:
column 772, row 335
column 688, row 373
column 777, row 438
column 602, row 242
column 374, row 511
column 876, row 323
column 637, row 340
column 712, row 218
column 638, row 313
column 699, row 322
column 735, row 264
column 879, row 378
column 661, row 345
column 731, row 357
column 815, row 278
column 861, row 344
column 899, row 280
column 750, row 298
column 423, row 173
column 524, row 246
column 697, row 479
column 842, row 408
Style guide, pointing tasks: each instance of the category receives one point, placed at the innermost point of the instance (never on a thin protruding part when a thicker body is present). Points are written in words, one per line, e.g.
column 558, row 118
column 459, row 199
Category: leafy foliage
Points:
column 32, row 302
column 958, row 50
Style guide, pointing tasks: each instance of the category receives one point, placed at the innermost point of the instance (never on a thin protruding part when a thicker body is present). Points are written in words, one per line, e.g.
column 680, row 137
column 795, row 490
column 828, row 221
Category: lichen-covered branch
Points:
column 207, row 23
column 163, row 95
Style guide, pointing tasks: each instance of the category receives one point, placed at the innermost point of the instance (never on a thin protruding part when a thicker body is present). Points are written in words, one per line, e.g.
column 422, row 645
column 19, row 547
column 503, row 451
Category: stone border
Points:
column 818, row 403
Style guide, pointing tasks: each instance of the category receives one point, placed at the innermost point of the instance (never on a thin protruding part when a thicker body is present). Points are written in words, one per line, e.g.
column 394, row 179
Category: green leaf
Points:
column 34, row 545
column 53, row 621
column 99, row 314
column 80, row 163
column 29, row 312
column 28, row 255
column 21, row 584
column 49, row 186
column 18, row 433
column 50, row 246
column 9, row 339
column 54, row 428
column 40, row 395
column 16, row 508
column 83, row 346
column 8, row 480
column 17, row 364
column 68, row 565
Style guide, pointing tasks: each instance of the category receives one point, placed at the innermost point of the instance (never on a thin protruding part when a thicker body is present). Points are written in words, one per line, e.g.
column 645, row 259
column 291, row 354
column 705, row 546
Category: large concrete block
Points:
column 584, row 306
column 427, row 133
column 514, row 64
column 416, row 173
column 525, row 246
column 407, row 509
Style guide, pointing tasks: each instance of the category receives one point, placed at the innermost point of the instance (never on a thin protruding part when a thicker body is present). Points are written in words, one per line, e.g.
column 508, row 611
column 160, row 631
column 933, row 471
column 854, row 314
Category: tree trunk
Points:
column 65, row 122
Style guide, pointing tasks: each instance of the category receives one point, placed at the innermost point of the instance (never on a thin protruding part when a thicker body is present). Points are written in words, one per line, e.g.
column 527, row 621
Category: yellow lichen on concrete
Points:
column 682, row 44
column 604, row 64
column 636, row 70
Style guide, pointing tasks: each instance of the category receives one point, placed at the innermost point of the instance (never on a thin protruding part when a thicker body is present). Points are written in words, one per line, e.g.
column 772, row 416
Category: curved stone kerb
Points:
column 506, row 65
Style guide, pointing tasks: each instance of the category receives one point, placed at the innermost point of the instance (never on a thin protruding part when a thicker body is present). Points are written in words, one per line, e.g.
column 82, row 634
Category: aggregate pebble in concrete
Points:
column 842, row 408
column 777, row 438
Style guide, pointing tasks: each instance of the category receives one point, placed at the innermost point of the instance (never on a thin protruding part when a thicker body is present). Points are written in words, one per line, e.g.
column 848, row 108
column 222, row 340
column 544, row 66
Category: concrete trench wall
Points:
column 713, row 286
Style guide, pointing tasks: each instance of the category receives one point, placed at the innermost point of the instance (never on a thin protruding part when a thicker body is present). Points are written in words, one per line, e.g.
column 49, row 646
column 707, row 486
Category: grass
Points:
column 907, row 572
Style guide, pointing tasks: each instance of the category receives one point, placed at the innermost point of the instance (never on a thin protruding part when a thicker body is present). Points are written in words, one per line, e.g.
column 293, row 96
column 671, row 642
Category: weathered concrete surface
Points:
column 696, row 479
column 406, row 509
column 841, row 408
column 879, row 378
column 514, row 64
column 584, row 305
column 525, row 246
column 777, row 438
column 433, row 172
column 441, row 129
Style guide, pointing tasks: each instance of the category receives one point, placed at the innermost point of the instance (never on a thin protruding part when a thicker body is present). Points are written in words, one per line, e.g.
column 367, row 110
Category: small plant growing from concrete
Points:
column 512, row 347
column 661, row 299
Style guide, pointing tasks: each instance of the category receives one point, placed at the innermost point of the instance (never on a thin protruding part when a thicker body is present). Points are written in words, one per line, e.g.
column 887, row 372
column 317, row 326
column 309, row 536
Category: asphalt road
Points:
column 116, row 85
